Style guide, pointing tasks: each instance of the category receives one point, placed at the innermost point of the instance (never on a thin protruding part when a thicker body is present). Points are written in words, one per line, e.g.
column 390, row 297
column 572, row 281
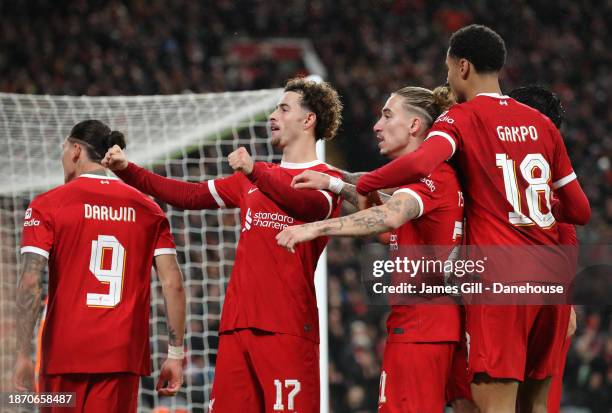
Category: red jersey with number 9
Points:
column 100, row 237
column 510, row 158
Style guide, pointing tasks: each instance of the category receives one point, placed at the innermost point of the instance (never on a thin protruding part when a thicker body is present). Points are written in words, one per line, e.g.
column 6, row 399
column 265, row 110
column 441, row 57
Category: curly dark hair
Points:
column 321, row 99
column 479, row 44
column 542, row 99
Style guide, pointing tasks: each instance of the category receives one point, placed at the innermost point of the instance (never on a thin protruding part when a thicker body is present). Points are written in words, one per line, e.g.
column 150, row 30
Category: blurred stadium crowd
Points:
column 369, row 48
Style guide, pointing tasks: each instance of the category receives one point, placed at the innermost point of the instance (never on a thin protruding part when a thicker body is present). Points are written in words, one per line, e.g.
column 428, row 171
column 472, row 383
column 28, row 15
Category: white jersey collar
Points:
column 494, row 95
column 94, row 176
column 302, row 165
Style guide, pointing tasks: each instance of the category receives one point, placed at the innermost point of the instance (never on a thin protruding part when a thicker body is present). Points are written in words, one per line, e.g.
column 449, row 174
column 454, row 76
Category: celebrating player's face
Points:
column 393, row 128
column 288, row 119
column 453, row 77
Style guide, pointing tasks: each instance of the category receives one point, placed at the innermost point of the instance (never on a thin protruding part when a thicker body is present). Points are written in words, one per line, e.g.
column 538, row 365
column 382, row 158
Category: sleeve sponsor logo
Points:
column 28, row 213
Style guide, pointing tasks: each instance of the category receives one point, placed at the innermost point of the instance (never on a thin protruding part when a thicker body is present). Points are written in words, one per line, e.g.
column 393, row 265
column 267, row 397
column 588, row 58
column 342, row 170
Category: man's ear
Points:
column 415, row 126
column 76, row 152
column 310, row 120
column 464, row 68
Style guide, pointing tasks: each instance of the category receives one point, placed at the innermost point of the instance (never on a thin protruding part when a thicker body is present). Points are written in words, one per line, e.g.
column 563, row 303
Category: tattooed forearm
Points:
column 29, row 300
column 351, row 177
column 398, row 210
column 174, row 339
column 350, row 195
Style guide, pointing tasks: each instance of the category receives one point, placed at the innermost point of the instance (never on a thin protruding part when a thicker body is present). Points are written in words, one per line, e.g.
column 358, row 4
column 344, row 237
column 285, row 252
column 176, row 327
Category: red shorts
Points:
column 459, row 382
column 260, row 372
column 556, row 386
column 95, row 393
column 515, row 342
column 414, row 377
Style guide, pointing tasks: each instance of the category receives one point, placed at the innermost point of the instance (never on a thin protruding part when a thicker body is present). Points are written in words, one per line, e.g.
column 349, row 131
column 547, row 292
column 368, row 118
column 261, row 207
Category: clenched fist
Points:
column 115, row 159
column 241, row 161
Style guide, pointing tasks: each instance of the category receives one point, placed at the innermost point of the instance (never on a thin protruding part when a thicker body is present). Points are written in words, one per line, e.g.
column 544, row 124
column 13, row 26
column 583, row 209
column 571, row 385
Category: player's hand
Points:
column 369, row 200
column 295, row 234
column 23, row 377
column 115, row 159
column 310, row 180
column 241, row 161
column 571, row 327
column 170, row 377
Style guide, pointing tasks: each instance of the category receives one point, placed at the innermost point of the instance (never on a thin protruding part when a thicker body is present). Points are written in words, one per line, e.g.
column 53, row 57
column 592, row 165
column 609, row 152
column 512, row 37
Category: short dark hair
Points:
column 96, row 137
column 541, row 99
column 481, row 46
column 322, row 99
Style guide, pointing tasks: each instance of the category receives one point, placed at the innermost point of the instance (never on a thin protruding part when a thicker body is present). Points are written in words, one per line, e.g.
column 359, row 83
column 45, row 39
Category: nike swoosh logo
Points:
column 252, row 190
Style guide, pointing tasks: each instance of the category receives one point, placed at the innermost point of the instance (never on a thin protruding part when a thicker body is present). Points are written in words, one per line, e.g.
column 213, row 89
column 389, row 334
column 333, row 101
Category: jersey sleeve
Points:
column 448, row 125
column 165, row 242
column 38, row 233
column 227, row 192
column 407, row 168
column 306, row 205
column 562, row 171
column 217, row 193
column 428, row 199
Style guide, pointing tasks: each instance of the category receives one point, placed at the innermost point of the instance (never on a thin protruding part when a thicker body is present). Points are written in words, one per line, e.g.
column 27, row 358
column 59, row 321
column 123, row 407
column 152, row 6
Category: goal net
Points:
column 181, row 136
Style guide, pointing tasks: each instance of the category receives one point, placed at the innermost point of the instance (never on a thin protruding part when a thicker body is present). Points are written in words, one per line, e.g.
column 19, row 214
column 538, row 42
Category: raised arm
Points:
column 169, row 273
column 305, row 206
column 407, row 168
column 401, row 208
column 317, row 180
column 181, row 194
column 28, row 311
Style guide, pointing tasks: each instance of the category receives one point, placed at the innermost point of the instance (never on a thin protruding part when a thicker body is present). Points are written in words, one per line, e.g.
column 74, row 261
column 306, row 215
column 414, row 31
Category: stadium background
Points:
column 369, row 48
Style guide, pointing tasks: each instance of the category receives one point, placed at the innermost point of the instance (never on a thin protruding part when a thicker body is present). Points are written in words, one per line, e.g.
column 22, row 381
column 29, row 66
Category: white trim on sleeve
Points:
column 35, row 250
column 445, row 136
column 213, row 190
column 564, row 181
column 331, row 203
column 416, row 196
column 164, row 251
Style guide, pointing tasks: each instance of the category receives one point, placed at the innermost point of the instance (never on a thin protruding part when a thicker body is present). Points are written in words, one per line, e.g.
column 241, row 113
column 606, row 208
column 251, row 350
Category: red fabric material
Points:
column 304, row 204
column 407, row 168
column 185, row 195
column 249, row 363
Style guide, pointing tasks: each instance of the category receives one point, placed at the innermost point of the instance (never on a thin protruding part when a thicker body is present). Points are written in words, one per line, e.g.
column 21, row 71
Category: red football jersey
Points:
column 270, row 288
column 440, row 223
column 100, row 237
column 511, row 157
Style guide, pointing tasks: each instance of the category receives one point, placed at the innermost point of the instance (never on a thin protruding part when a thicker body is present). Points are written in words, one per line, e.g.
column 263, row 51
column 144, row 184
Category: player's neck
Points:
column 300, row 151
column 485, row 84
column 91, row 169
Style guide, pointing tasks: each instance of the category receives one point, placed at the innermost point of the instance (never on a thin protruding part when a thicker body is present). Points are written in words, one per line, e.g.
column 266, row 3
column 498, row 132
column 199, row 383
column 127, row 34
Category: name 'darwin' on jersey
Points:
column 108, row 213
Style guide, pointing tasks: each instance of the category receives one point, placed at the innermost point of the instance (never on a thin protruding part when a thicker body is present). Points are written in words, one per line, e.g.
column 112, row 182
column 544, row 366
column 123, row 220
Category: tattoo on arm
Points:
column 173, row 339
column 351, row 177
column 397, row 211
column 29, row 300
column 349, row 194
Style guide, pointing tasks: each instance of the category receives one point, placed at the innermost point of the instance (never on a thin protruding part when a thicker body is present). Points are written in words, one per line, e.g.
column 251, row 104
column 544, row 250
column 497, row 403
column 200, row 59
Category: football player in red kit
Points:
column 421, row 338
column 100, row 239
column 549, row 104
column 489, row 136
column 268, row 359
